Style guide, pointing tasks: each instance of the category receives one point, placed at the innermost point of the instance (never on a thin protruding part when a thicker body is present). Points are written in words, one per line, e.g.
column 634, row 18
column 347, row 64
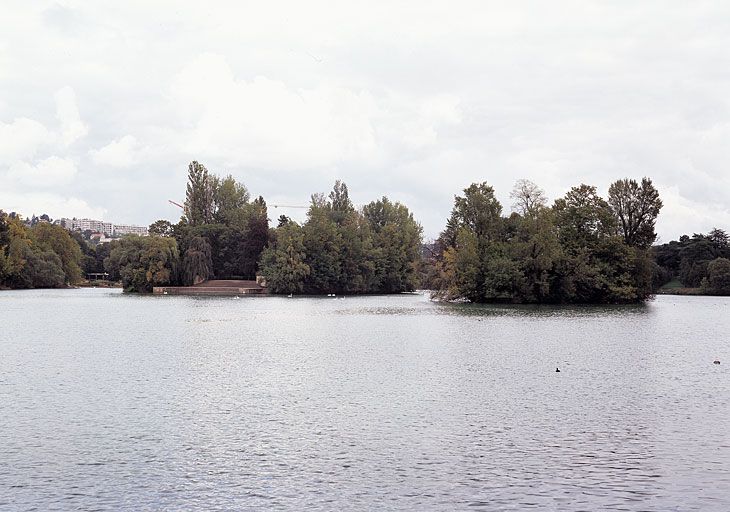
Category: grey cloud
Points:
column 559, row 92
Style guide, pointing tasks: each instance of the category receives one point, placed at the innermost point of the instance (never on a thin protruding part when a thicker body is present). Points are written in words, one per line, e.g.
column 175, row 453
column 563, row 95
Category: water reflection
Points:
column 542, row 310
column 394, row 403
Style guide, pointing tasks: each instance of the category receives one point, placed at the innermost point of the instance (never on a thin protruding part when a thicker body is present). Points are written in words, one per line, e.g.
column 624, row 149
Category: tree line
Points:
column 39, row 256
column 222, row 234
column 343, row 250
column 698, row 261
column 582, row 248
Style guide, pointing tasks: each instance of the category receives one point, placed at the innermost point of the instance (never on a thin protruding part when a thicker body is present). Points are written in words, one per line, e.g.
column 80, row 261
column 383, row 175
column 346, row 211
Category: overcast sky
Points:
column 102, row 107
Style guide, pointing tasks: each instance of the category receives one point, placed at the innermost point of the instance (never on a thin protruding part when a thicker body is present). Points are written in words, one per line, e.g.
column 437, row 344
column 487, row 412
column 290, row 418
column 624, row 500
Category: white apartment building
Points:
column 98, row 226
column 128, row 229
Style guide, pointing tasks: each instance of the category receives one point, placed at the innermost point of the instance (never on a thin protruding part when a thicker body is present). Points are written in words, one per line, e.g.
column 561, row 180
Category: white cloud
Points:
column 55, row 205
column 681, row 216
column 67, row 113
column 265, row 123
column 118, row 153
column 414, row 100
column 262, row 122
column 50, row 172
column 21, row 139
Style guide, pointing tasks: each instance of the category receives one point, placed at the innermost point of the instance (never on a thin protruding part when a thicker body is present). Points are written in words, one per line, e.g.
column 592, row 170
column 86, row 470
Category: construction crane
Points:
column 176, row 204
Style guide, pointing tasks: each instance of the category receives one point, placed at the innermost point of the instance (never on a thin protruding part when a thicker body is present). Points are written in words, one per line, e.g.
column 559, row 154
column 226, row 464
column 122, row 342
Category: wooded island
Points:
column 581, row 249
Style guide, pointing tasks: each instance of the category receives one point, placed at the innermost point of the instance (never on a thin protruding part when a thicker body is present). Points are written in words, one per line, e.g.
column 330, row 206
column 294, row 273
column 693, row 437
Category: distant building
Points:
column 128, row 229
column 99, row 226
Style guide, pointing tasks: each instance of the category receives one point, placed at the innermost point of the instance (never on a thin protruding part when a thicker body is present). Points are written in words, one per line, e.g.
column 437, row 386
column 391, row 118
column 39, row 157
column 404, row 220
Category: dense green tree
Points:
column 479, row 211
column 583, row 218
column 144, row 262
column 636, row 206
column 88, row 262
column 696, row 254
column 161, row 228
column 339, row 203
column 322, row 243
column 199, row 196
column 3, row 267
column 464, row 267
column 688, row 258
column 342, row 250
column 229, row 197
column 538, row 251
column 718, row 276
column 45, row 269
column 396, row 245
column 339, row 246
column 55, row 239
column 20, row 259
column 236, row 230
column 283, row 262
column 470, row 250
column 568, row 253
column 26, row 263
column 4, row 240
column 101, row 253
column 720, row 239
column 4, row 229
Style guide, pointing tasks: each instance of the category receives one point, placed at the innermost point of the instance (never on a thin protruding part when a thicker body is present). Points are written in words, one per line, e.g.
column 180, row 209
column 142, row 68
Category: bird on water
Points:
column 716, row 361
column 557, row 370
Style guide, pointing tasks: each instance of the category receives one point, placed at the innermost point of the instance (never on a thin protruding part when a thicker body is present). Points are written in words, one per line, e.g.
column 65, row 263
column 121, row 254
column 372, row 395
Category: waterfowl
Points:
column 716, row 361
column 557, row 370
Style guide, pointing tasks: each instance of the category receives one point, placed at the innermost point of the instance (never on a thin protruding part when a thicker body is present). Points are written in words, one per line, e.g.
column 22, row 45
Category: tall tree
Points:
column 478, row 210
column 322, row 244
column 636, row 206
column 229, row 197
column 528, row 198
column 583, row 217
column 161, row 228
column 475, row 227
column 720, row 238
column 396, row 245
column 199, row 200
column 283, row 261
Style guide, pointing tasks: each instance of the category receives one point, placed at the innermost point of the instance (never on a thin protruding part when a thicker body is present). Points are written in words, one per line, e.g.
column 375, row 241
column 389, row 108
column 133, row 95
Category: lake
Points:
column 120, row 402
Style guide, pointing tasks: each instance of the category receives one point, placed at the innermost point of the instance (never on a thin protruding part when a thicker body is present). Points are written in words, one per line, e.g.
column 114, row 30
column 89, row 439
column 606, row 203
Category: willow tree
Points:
column 197, row 264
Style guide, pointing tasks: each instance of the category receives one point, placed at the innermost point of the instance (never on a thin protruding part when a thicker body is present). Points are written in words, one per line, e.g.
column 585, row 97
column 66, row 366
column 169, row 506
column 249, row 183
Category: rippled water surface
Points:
column 118, row 402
